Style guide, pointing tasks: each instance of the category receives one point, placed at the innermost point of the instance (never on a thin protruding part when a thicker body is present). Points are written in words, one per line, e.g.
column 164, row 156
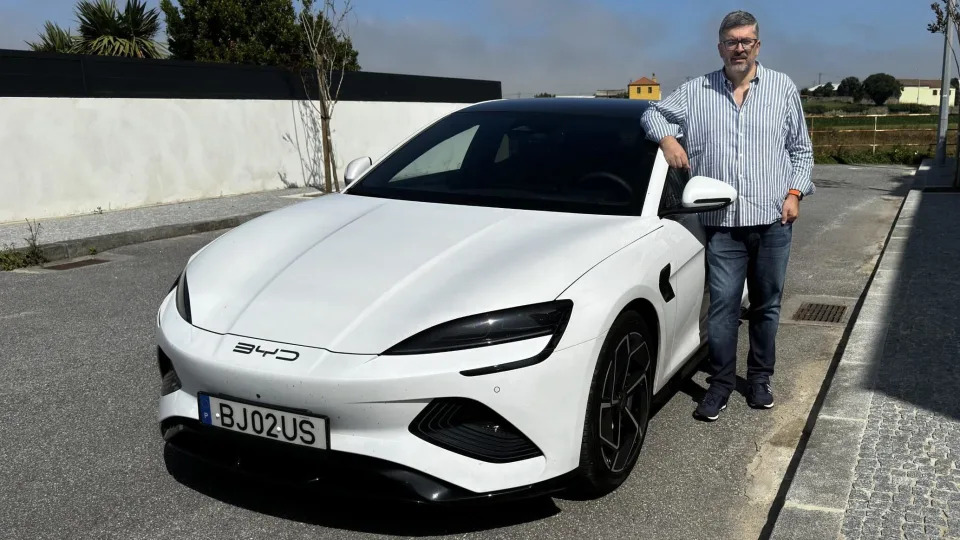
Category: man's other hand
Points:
column 674, row 153
column 791, row 209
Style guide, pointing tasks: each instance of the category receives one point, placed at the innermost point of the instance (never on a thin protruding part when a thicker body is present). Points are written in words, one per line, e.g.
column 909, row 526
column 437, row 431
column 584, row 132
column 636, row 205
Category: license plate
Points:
column 264, row 422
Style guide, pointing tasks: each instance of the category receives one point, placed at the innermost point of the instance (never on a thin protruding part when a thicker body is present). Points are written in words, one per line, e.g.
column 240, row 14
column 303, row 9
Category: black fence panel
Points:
column 32, row 74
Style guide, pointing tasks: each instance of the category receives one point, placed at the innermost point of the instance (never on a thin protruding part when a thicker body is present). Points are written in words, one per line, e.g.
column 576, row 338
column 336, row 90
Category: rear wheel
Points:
column 618, row 408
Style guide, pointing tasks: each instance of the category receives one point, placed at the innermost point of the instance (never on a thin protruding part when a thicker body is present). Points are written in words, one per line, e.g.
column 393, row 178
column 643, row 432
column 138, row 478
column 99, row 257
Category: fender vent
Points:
column 472, row 429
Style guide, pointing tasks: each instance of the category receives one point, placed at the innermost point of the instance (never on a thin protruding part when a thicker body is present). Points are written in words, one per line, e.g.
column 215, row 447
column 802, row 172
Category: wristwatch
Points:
column 796, row 192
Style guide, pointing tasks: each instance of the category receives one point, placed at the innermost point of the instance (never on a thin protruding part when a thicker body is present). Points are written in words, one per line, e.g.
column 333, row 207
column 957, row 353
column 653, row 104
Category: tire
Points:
column 616, row 411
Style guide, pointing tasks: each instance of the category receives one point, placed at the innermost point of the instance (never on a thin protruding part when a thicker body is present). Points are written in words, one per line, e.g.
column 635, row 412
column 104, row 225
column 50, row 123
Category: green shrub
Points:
column 912, row 108
column 897, row 155
column 12, row 258
column 854, row 108
column 814, row 108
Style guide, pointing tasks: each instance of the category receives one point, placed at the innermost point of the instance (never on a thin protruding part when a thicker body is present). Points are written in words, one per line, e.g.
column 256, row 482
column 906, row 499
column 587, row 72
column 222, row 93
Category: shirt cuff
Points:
column 804, row 186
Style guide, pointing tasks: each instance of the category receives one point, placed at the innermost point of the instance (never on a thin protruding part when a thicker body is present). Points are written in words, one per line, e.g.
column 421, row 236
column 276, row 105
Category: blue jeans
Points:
column 758, row 255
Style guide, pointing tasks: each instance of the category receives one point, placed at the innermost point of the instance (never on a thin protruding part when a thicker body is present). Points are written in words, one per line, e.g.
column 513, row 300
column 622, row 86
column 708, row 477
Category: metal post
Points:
column 875, row 134
column 945, row 89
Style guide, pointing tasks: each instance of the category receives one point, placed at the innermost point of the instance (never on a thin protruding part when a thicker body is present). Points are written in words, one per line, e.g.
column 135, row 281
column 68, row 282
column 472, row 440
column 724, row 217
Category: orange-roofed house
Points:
column 644, row 88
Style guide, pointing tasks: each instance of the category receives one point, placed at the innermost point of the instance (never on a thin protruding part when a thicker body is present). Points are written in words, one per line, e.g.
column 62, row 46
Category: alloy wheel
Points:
column 624, row 402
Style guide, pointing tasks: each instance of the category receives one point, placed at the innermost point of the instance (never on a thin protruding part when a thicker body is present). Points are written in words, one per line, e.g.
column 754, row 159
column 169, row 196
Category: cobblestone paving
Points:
column 907, row 482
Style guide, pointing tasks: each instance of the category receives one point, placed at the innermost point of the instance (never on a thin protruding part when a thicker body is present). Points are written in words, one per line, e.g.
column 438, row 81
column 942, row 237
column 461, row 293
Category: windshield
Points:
column 537, row 161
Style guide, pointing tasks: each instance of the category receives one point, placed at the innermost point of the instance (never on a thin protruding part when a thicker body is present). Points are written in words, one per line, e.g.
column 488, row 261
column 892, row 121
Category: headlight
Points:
column 183, row 297
column 492, row 328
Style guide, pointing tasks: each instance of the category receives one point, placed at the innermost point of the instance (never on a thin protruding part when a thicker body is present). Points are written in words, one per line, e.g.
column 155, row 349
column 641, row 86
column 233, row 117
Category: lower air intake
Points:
column 169, row 381
column 472, row 429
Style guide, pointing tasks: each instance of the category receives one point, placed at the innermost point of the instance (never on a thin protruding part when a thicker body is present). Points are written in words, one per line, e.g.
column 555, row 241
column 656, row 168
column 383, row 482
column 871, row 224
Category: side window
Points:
column 673, row 188
column 447, row 155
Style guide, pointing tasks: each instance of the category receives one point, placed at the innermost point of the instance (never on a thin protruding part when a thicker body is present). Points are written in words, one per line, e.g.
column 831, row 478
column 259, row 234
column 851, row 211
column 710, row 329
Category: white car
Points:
column 488, row 310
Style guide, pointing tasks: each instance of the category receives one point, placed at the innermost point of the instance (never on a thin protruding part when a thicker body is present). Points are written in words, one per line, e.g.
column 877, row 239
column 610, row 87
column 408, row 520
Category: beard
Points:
column 742, row 67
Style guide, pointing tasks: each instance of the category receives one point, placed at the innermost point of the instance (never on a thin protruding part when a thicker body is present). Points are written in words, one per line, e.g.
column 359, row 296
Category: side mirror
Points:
column 356, row 168
column 704, row 194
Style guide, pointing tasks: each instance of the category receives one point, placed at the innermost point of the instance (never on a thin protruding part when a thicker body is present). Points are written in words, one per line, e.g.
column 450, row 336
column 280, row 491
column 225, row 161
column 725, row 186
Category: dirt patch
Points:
column 775, row 449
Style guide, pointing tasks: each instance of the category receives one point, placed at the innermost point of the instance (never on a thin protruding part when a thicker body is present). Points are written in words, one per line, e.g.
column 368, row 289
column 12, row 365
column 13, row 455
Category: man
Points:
column 742, row 124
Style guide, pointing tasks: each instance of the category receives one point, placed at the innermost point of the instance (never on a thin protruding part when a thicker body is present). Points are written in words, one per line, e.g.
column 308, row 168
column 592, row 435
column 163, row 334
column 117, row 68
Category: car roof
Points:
column 592, row 106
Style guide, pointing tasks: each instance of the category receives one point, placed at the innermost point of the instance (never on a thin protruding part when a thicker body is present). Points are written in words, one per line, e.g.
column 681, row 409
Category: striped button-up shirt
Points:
column 761, row 148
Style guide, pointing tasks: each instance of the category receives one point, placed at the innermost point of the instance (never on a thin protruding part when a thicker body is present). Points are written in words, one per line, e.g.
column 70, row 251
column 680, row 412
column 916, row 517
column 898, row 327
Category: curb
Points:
column 79, row 247
column 816, row 502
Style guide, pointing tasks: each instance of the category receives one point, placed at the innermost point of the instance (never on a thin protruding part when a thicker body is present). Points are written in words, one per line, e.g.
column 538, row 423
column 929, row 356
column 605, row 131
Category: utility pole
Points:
column 942, row 125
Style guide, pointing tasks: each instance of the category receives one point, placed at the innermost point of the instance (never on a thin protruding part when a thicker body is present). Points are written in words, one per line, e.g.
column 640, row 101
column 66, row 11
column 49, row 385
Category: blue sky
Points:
column 570, row 47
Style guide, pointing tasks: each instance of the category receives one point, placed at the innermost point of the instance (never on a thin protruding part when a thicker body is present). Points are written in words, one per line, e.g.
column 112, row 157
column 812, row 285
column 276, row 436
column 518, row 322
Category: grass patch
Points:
column 899, row 138
column 12, row 258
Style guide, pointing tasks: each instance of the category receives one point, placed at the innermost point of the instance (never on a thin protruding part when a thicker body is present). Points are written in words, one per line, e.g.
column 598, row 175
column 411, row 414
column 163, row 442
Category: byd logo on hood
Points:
column 280, row 354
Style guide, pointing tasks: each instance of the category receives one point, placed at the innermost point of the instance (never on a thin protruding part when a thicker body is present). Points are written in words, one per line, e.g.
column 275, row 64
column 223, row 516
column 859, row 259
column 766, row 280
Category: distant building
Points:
column 923, row 92
column 644, row 88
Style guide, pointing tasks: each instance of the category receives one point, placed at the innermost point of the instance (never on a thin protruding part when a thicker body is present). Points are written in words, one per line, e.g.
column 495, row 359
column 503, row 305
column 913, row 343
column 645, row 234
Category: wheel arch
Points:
column 649, row 314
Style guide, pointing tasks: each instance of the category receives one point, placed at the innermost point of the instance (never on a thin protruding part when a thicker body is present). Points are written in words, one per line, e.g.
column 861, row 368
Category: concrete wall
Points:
column 64, row 156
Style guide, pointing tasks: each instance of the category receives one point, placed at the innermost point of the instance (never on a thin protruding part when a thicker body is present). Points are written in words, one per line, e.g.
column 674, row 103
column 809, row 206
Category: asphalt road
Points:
column 81, row 455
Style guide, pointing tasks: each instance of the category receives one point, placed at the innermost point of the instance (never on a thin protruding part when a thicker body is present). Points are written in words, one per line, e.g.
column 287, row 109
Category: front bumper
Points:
column 330, row 472
column 371, row 403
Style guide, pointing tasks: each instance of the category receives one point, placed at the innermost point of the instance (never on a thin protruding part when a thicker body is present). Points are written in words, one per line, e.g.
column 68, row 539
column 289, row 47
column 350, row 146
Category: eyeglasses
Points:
column 731, row 44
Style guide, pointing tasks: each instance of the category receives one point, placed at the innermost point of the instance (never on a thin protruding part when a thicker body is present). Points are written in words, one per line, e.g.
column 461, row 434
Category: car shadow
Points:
column 313, row 506
column 683, row 383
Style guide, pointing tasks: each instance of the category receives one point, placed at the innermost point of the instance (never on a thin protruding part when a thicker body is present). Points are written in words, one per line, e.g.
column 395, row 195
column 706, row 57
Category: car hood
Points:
column 356, row 274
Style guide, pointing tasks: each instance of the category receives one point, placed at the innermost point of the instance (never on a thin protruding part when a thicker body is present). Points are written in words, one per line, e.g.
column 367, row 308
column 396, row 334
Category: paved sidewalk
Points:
column 67, row 237
column 883, row 455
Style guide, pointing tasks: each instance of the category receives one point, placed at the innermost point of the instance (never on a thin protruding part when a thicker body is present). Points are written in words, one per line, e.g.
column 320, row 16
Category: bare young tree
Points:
column 329, row 54
column 943, row 16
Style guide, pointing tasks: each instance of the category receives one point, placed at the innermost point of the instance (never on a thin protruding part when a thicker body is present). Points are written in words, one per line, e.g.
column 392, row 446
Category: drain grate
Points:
column 76, row 264
column 829, row 313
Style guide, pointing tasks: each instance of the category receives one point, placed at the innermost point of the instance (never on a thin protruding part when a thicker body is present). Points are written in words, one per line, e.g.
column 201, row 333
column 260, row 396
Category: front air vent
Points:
column 472, row 429
column 169, row 381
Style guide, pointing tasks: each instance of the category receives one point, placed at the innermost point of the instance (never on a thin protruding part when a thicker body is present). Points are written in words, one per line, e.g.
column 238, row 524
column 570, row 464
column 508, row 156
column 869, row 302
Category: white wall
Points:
column 923, row 95
column 69, row 156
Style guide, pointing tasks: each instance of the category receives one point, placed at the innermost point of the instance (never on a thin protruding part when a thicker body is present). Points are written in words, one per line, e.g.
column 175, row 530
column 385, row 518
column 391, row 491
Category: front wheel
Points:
column 618, row 408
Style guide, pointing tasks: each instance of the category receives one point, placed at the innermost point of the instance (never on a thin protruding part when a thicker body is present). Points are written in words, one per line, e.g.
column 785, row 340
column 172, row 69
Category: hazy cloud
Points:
column 575, row 46
column 571, row 47
column 563, row 46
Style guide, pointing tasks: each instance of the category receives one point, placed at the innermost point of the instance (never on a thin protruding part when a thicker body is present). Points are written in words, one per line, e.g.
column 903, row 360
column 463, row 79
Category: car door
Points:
column 686, row 240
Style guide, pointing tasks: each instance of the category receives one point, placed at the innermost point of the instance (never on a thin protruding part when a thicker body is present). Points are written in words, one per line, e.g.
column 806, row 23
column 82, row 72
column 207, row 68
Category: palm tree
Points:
column 53, row 39
column 105, row 30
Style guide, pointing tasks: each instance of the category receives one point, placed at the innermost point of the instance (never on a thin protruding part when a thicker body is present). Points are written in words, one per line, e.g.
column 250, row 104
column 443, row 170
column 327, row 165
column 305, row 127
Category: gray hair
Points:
column 739, row 18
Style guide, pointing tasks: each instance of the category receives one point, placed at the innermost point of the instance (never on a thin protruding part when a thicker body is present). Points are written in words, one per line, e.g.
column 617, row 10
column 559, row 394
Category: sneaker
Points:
column 760, row 395
column 710, row 406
